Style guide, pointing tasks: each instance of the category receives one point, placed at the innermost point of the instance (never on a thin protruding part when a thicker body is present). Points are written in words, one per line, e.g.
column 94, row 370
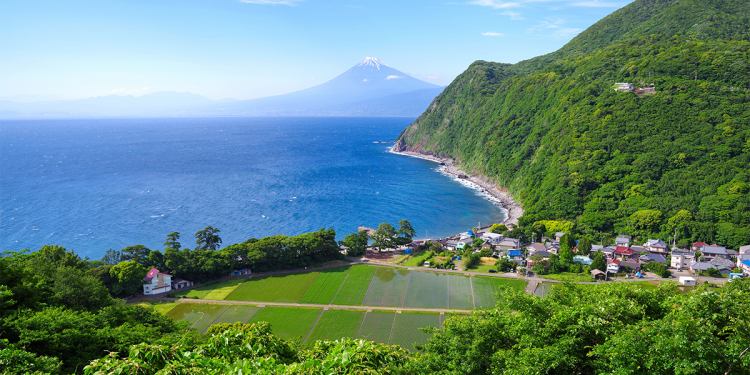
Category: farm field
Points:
column 306, row 325
column 365, row 285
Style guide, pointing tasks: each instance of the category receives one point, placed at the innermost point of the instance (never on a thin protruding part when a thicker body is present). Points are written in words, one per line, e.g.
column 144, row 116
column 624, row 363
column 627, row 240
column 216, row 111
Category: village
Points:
column 623, row 259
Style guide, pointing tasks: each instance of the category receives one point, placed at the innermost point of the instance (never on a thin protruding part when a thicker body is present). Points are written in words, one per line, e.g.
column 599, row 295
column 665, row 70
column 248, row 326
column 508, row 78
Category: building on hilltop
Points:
column 156, row 282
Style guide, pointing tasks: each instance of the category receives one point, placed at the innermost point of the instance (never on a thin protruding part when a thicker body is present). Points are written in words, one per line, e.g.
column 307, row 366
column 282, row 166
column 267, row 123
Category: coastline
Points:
column 489, row 189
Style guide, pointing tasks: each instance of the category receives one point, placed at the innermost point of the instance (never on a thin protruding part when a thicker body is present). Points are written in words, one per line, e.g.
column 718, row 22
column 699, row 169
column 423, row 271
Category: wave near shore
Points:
column 487, row 188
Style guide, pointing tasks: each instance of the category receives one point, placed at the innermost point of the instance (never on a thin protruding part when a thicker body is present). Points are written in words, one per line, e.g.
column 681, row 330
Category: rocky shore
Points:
column 487, row 187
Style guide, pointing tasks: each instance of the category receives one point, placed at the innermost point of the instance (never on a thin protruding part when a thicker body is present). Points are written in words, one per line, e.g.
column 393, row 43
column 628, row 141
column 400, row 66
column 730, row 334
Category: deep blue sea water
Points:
column 91, row 185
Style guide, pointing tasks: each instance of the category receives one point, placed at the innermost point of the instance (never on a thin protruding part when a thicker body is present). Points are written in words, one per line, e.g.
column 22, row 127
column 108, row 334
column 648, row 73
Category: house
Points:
column 687, row 281
column 624, row 252
column 652, row 257
column 622, row 240
column 631, row 265
column 613, row 267
column 720, row 264
column 744, row 250
column 156, row 282
column 492, row 238
column 514, row 254
column 624, row 87
column 656, row 246
column 508, row 243
column 745, row 267
column 598, row 274
column 582, row 259
column 178, row 284
column 647, row 90
column 597, row 247
column 639, row 250
column 714, row 251
column 240, row 272
column 460, row 245
column 698, row 246
column 535, row 247
column 681, row 259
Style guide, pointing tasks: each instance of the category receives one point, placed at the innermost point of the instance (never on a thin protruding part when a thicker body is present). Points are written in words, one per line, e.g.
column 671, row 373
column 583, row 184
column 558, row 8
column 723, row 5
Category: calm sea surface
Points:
column 91, row 185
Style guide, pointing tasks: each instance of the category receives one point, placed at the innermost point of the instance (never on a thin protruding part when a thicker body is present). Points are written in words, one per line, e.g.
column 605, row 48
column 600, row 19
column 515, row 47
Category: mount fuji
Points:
column 369, row 88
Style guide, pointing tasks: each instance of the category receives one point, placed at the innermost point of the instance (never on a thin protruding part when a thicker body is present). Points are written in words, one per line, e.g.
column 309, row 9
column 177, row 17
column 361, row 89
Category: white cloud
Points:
column 555, row 27
column 516, row 16
column 392, row 77
column 596, row 4
column 496, row 4
column 272, row 2
column 492, row 34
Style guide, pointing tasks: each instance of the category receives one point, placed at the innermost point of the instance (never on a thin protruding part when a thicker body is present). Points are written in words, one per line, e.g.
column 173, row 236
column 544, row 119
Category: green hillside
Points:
column 568, row 146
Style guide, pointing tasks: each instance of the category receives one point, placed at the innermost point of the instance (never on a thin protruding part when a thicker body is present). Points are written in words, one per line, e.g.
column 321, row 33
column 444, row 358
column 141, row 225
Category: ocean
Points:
column 92, row 185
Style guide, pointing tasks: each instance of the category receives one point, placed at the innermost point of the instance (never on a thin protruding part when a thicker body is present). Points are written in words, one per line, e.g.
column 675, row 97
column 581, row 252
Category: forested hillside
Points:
column 568, row 146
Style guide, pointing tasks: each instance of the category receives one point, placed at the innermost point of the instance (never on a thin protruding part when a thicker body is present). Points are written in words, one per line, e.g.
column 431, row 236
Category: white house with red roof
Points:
column 156, row 282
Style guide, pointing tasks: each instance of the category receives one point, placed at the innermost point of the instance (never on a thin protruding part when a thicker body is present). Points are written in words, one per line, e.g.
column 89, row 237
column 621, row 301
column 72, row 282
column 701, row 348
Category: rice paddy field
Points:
column 378, row 291
column 306, row 325
column 365, row 285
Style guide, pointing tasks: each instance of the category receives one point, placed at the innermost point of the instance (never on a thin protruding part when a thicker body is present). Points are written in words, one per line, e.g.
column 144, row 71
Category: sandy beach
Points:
column 488, row 188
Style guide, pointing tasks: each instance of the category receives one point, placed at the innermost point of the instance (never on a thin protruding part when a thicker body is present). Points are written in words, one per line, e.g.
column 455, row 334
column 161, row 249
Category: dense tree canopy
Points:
column 553, row 130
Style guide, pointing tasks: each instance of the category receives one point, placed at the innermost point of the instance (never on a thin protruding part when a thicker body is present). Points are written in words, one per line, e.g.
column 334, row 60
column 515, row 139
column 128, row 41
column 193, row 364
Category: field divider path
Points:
column 471, row 287
column 317, row 305
column 406, row 290
column 313, row 326
column 338, row 290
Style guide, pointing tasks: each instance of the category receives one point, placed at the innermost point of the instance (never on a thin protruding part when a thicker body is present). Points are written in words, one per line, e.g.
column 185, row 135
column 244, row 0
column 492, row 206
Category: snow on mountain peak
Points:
column 372, row 62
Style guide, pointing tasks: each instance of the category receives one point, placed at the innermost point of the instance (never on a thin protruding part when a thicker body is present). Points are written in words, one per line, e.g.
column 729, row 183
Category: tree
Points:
column 599, row 262
column 584, row 246
column 505, row 265
column 112, row 257
column 406, row 230
column 207, row 238
column 138, row 253
column 356, row 243
column 645, row 223
column 384, row 237
column 498, row 228
column 566, row 250
column 173, row 241
column 127, row 278
column 471, row 260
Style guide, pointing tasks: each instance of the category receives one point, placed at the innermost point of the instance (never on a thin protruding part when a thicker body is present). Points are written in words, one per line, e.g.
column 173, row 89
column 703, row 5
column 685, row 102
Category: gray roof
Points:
column 715, row 249
column 655, row 243
column 653, row 258
column 717, row 263
column 537, row 246
column 745, row 249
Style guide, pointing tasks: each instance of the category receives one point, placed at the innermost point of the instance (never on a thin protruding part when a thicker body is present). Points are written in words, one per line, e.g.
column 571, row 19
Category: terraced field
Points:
column 366, row 285
column 309, row 324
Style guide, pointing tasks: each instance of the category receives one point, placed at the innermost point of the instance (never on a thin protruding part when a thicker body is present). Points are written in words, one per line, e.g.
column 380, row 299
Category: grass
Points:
column 568, row 276
column 377, row 326
column 200, row 316
column 407, row 328
column 233, row 314
column 352, row 290
column 335, row 324
column 485, row 265
column 160, row 307
column 364, row 285
column 325, row 286
column 216, row 290
column 486, row 289
column 306, row 325
column 286, row 288
column 288, row 322
column 418, row 260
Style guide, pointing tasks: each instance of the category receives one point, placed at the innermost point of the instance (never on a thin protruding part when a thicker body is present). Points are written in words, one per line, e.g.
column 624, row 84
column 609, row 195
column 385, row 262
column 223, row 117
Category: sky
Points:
column 243, row 49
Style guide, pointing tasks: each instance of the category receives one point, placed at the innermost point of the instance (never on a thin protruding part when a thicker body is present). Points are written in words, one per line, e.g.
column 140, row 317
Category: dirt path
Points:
column 318, row 306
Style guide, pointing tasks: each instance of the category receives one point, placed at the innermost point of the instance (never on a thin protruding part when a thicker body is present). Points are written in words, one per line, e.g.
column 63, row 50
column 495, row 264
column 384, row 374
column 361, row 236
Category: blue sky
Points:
column 66, row 49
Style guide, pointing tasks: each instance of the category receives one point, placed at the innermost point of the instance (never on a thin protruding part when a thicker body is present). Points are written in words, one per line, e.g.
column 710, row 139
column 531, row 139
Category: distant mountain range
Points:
column 369, row 88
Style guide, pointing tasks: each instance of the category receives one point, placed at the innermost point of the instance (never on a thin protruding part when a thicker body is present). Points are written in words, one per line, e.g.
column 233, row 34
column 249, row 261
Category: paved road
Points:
column 317, row 306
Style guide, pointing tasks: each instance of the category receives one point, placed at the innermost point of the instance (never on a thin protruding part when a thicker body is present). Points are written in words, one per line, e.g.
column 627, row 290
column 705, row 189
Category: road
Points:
column 318, row 306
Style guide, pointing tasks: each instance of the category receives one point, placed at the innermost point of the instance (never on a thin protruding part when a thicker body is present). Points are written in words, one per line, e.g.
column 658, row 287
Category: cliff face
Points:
column 554, row 131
